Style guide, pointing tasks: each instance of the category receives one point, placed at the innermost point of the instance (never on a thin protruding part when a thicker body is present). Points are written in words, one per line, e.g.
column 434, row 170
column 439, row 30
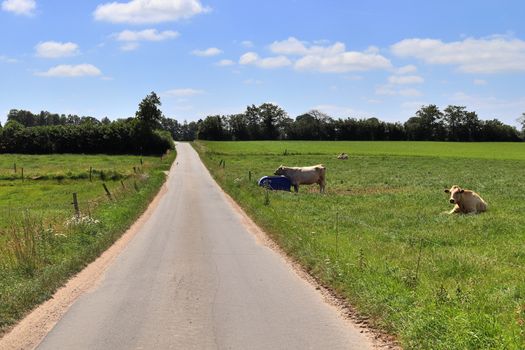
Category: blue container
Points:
column 275, row 183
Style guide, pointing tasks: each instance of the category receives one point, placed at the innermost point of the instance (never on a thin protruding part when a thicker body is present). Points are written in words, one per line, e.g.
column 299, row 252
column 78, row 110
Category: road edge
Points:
column 29, row 332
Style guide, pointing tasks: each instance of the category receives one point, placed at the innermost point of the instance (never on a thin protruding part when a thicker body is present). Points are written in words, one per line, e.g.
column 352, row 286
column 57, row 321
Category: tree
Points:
column 149, row 113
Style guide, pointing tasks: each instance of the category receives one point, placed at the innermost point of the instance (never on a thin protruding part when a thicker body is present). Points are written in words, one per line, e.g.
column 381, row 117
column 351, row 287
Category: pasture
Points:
column 42, row 240
column 380, row 236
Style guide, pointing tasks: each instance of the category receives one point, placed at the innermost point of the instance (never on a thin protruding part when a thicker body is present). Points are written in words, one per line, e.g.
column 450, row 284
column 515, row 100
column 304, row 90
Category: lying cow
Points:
column 342, row 156
column 465, row 201
column 304, row 175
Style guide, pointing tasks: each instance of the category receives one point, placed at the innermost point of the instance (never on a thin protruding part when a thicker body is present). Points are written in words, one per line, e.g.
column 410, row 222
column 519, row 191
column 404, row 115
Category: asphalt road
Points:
column 195, row 278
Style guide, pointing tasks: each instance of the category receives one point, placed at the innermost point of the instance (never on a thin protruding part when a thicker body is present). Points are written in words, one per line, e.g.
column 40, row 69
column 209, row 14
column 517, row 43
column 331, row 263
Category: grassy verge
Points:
column 42, row 241
column 379, row 236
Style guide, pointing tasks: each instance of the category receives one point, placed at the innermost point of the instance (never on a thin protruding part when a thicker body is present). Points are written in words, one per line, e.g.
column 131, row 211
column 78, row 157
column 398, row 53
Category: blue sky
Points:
column 345, row 58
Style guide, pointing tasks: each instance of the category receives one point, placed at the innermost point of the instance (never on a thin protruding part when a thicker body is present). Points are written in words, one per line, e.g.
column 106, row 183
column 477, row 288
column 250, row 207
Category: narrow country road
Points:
column 195, row 278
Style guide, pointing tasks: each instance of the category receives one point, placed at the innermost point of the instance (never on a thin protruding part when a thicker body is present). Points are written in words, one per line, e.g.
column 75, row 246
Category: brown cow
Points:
column 465, row 201
column 304, row 175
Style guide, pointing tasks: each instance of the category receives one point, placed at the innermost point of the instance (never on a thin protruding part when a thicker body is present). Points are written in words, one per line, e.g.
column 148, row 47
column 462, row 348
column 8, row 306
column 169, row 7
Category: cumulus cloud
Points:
column 145, row 35
column 19, row 7
column 132, row 38
column 212, row 51
column 252, row 58
column 185, row 92
column 148, row 11
column 54, row 49
column 406, row 69
column 224, row 63
column 71, row 71
column 405, row 79
column 330, row 58
column 493, row 54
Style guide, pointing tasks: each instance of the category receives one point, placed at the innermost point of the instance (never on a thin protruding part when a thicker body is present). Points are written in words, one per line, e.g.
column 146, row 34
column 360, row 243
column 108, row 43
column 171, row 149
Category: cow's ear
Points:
column 461, row 191
column 447, row 191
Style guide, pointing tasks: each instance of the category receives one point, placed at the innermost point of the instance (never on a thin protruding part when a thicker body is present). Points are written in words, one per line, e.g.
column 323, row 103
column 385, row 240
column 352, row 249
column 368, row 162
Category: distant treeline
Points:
column 150, row 132
column 25, row 132
column 270, row 122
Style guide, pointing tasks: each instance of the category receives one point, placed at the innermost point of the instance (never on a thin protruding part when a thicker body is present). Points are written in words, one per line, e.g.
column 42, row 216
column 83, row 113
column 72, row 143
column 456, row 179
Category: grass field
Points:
column 42, row 242
column 380, row 237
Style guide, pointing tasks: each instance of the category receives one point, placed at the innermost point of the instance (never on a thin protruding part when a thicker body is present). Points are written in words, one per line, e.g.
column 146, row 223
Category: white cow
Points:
column 304, row 175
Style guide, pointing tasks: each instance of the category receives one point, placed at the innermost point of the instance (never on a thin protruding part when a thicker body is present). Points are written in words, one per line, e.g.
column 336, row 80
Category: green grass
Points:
column 39, row 247
column 484, row 150
column 380, row 237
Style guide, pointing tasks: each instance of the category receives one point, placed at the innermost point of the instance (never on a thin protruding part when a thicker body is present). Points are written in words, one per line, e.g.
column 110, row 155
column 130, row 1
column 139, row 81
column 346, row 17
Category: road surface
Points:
column 194, row 277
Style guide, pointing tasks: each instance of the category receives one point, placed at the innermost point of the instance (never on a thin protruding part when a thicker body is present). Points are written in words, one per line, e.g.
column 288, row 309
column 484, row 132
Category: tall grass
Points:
column 43, row 245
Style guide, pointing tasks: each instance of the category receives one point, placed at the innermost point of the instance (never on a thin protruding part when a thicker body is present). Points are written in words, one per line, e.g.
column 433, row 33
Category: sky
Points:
column 357, row 59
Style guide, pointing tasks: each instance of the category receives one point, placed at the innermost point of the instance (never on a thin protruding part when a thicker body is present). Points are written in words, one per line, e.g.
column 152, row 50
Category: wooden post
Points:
column 141, row 163
column 249, row 175
column 75, row 204
column 107, row 191
column 22, row 169
column 90, row 174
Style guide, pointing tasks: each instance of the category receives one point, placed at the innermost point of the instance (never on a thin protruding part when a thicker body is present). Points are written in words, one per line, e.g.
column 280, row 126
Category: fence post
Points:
column 249, row 175
column 75, row 204
column 107, row 191
column 22, row 169
column 90, row 174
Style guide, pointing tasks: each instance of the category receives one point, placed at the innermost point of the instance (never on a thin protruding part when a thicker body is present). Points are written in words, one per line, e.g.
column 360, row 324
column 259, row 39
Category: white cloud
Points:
column 330, row 59
column 54, row 49
column 409, row 92
column 390, row 90
column 266, row 63
column 479, row 82
column 145, row 35
column 129, row 46
column 148, row 11
column 406, row 69
column 224, row 63
column 247, row 43
column 405, row 79
column 185, row 92
column 252, row 82
column 7, row 59
column 212, row 51
column 19, row 7
column 248, row 58
column 71, row 71
column 486, row 55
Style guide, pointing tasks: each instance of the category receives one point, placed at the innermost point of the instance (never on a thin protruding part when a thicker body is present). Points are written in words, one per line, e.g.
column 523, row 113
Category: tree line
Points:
column 43, row 133
column 270, row 122
column 150, row 132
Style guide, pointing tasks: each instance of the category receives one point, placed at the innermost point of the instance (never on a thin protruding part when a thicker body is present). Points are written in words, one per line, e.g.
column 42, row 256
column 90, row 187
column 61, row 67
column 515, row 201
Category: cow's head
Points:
column 279, row 171
column 455, row 194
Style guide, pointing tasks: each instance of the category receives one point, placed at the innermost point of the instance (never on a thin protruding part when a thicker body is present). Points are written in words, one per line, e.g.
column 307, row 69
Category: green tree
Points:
column 149, row 113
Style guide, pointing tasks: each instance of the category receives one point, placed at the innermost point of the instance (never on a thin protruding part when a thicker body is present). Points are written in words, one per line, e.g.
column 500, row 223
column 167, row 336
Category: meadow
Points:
column 381, row 238
column 43, row 241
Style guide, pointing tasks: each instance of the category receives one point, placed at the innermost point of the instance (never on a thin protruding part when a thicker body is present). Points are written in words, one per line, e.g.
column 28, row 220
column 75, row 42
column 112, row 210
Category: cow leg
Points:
column 296, row 188
column 456, row 209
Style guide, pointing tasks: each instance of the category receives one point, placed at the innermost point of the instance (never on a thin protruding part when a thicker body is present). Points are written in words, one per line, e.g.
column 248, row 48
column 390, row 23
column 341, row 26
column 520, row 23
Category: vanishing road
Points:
column 194, row 277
